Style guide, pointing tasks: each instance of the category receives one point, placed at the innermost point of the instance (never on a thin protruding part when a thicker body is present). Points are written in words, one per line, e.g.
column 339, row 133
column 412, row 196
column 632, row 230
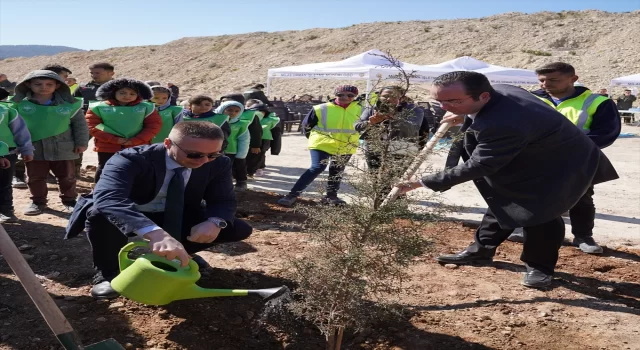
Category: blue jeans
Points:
column 319, row 162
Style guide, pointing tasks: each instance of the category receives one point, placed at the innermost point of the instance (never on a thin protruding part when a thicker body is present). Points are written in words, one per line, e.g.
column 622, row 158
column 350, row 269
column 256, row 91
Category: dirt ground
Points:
column 595, row 302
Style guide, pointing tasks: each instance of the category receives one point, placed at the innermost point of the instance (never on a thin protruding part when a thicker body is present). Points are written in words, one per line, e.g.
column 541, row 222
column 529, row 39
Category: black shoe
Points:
column 466, row 257
column 333, row 200
column 240, row 187
column 102, row 288
column 534, row 278
column 202, row 264
column 516, row 236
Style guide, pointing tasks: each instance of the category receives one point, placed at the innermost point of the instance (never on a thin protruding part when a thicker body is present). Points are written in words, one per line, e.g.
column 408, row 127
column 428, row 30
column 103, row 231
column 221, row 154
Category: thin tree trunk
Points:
column 334, row 342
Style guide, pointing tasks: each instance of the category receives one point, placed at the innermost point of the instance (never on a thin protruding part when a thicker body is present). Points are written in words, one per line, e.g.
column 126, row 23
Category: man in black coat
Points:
column 528, row 162
column 156, row 192
column 256, row 93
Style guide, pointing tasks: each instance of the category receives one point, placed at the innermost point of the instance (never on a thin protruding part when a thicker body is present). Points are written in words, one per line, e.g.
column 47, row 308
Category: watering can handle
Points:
column 123, row 257
column 126, row 262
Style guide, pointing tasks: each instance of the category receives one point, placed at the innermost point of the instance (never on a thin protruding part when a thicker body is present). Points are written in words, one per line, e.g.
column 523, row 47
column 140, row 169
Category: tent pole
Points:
column 268, row 86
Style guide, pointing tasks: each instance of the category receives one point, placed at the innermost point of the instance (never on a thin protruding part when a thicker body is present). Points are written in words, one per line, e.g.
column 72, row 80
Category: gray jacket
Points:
column 529, row 162
column 404, row 132
column 62, row 146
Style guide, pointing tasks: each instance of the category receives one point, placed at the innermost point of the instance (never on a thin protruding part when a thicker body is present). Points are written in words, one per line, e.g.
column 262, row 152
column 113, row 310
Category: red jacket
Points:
column 106, row 142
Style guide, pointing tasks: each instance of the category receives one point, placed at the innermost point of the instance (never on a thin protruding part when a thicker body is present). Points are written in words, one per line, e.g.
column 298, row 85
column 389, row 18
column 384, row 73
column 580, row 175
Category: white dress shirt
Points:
column 157, row 204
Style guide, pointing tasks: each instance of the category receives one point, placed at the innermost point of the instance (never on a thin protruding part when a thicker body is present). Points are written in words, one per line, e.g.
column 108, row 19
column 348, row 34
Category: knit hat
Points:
column 225, row 105
column 108, row 90
column 347, row 88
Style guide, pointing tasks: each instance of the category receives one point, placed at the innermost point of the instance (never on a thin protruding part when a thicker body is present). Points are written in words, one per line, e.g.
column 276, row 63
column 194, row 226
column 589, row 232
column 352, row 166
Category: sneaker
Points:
column 587, row 245
column 18, row 183
column 241, row 187
column 333, row 200
column 33, row 209
column 69, row 206
column 259, row 172
column 287, row 200
column 7, row 218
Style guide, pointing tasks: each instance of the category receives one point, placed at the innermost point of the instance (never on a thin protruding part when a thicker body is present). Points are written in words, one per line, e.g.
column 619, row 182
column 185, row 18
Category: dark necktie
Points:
column 174, row 205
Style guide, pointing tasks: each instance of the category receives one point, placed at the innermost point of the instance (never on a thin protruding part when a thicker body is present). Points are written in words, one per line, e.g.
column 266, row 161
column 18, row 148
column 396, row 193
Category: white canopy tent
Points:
column 496, row 74
column 370, row 66
column 629, row 80
column 373, row 65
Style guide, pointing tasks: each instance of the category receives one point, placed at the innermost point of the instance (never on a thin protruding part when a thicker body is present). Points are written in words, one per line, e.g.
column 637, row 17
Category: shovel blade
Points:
column 109, row 344
column 269, row 292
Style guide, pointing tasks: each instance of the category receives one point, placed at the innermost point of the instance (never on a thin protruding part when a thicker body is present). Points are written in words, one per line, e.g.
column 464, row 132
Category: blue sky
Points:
column 90, row 24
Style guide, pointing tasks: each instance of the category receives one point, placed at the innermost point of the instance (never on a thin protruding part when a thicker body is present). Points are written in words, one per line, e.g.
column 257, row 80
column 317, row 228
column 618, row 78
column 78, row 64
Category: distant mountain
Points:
column 7, row 51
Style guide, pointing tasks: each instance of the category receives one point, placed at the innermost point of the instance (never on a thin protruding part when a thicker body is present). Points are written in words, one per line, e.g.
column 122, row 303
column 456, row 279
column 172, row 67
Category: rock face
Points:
column 601, row 46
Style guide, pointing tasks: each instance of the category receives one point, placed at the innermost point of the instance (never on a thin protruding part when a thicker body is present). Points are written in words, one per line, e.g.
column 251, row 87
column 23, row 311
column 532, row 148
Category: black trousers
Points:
column 106, row 240
column 541, row 242
column 257, row 161
column 238, row 169
column 583, row 215
column 103, row 157
column 6, row 188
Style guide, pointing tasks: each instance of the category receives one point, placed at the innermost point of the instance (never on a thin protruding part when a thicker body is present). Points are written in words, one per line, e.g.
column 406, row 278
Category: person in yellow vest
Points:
column 170, row 115
column 121, row 118
column 597, row 116
column 73, row 84
column 332, row 139
column 238, row 141
column 14, row 138
column 58, row 132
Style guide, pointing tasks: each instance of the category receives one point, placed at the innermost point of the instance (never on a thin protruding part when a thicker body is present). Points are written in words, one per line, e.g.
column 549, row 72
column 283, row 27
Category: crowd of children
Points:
column 49, row 129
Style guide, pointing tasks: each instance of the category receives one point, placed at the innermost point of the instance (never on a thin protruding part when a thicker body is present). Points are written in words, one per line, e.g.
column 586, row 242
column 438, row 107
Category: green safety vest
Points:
column 217, row 119
column 335, row 132
column 248, row 115
column 4, row 149
column 580, row 109
column 122, row 121
column 268, row 122
column 168, row 115
column 7, row 115
column 47, row 121
column 238, row 128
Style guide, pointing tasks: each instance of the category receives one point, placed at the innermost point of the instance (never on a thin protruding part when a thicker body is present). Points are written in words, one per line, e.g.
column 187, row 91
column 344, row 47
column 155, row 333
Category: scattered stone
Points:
column 271, row 243
column 452, row 293
column 508, row 329
column 82, row 310
column 25, row 247
column 543, row 314
column 451, row 266
column 250, row 315
column 237, row 320
column 27, row 257
column 35, row 340
column 483, row 318
column 65, row 259
column 53, row 274
column 151, row 342
column 506, row 332
column 607, row 289
column 116, row 305
column 101, row 319
column 53, row 257
column 129, row 346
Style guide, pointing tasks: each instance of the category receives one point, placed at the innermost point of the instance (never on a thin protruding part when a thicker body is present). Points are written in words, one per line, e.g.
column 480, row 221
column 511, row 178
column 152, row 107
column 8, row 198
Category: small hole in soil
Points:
column 164, row 266
column 605, row 268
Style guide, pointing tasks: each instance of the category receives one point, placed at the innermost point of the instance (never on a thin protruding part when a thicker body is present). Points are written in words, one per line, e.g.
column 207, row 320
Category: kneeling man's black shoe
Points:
column 536, row 279
column 466, row 257
column 103, row 290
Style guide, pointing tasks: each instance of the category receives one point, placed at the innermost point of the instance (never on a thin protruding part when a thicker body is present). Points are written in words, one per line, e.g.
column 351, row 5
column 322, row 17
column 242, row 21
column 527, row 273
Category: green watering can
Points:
column 154, row 280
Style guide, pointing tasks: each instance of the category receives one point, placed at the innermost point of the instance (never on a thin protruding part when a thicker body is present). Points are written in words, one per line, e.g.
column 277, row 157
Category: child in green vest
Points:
column 170, row 115
column 121, row 118
column 14, row 138
column 239, row 139
column 268, row 121
column 201, row 109
column 58, row 132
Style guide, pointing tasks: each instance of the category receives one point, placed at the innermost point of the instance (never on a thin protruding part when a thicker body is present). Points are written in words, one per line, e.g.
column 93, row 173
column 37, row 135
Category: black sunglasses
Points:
column 348, row 95
column 197, row 155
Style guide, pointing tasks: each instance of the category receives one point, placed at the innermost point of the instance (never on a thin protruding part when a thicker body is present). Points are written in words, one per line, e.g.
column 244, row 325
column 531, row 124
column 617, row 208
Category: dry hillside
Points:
column 600, row 45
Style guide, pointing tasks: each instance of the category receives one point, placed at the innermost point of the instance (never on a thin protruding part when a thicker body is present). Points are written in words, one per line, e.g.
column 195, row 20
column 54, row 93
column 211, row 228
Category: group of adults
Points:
column 532, row 156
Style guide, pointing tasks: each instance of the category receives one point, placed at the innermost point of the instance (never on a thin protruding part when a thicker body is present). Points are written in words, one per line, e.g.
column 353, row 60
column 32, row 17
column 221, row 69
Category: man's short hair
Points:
column 56, row 68
column 198, row 130
column 196, row 100
column 104, row 65
column 627, row 90
column 474, row 83
column 258, row 86
column 561, row 67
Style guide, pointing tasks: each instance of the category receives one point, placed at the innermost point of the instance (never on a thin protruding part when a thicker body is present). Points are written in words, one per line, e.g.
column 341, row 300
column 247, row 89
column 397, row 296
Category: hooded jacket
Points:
column 62, row 146
column 244, row 138
column 108, row 143
column 255, row 129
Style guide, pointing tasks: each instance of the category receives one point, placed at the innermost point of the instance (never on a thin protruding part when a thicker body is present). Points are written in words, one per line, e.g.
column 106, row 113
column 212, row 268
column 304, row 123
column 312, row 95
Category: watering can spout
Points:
column 195, row 292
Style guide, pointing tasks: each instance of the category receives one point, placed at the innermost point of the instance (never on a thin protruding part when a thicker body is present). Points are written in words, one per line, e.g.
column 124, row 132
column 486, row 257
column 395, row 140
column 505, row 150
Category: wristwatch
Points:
column 218, row 222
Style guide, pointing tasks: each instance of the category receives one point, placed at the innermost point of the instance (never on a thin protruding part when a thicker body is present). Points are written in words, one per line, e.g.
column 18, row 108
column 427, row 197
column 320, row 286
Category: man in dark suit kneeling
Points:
column 530, row 164
column 156, row 192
